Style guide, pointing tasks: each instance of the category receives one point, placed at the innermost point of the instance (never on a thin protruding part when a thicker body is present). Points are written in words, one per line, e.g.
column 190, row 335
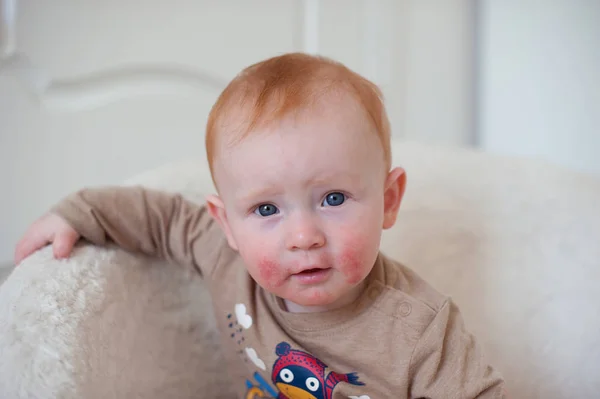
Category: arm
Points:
column 447, row 362
column 147, row 221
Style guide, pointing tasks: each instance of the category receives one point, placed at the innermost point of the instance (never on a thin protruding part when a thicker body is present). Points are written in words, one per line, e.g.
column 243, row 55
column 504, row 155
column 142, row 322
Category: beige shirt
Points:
column 400, row 339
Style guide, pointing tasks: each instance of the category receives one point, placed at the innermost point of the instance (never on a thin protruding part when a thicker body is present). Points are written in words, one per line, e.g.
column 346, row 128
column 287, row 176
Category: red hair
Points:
column 276, row 87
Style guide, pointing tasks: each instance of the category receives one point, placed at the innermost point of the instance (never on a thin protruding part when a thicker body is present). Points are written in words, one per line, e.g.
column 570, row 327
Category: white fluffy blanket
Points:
column 106, row 324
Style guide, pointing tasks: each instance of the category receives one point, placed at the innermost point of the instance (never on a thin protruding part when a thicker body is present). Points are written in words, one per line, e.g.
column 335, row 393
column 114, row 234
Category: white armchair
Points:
column 514, row 242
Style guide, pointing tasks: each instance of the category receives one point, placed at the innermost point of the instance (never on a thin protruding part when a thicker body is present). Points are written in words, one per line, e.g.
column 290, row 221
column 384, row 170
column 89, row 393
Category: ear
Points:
column 216, row 208
column 392, row 196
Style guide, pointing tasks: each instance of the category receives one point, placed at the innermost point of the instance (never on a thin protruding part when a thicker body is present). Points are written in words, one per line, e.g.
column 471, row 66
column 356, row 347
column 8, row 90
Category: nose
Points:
column 304, row 233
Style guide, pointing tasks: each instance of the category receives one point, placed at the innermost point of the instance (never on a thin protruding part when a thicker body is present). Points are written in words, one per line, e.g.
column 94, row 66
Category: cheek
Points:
column 355, row 258
column 261, row 260
column 268, row 270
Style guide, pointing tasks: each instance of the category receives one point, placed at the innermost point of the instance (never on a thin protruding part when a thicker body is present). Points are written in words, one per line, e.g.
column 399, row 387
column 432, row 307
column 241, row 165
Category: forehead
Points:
column 335, row 111
column 333, row 135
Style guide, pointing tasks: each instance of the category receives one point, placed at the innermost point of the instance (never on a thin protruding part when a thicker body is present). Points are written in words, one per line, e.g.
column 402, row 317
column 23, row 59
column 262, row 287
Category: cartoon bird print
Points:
column 299, row 375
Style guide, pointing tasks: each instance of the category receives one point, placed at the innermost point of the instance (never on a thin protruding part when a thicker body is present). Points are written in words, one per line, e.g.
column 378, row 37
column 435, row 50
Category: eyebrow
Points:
column 326, row 179
column 270, row 191
column 253, row 196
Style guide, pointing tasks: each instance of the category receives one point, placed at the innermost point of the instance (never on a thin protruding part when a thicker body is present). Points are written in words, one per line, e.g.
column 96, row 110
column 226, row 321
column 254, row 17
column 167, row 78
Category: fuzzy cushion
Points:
column 106, row 324
column 513, row 241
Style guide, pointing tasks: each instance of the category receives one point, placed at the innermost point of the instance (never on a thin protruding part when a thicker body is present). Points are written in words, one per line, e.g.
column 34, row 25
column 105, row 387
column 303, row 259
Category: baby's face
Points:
column 303, row 203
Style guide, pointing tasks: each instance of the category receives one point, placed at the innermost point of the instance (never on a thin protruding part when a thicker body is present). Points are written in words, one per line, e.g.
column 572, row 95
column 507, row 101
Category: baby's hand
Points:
column 50, row 228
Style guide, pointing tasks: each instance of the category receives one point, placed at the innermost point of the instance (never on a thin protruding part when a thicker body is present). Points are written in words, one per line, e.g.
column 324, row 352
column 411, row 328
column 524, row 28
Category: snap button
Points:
column 404, row 309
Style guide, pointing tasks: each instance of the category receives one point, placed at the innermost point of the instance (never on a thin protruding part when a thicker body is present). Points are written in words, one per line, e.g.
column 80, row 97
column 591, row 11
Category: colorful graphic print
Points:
column 298, row 375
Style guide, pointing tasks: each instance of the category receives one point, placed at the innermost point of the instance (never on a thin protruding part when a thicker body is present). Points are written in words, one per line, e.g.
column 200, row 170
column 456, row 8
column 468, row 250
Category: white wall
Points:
column 439, row 72
column 540, row 80
column 421, row 54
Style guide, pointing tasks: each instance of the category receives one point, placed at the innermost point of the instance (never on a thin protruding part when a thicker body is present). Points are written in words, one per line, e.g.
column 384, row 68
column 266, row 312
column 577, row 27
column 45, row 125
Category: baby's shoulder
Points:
column 407, row 296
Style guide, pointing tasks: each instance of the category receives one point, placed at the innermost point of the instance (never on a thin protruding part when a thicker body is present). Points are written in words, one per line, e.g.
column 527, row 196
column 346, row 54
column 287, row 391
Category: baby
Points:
column 299, row 151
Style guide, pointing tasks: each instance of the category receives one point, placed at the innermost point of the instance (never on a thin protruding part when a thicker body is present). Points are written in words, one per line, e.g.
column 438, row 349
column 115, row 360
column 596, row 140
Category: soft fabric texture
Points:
column 513, row 242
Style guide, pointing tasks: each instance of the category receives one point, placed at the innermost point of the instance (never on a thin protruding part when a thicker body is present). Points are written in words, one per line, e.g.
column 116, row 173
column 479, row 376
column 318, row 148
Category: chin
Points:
column 315, row 300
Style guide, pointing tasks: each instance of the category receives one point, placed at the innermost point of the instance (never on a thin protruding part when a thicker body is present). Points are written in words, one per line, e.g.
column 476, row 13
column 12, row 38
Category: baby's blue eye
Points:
column 266, row 210
column 334, row 199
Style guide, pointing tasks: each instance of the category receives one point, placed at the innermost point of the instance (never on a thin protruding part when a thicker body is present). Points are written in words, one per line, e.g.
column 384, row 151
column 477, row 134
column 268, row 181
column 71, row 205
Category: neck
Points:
column 337, row 304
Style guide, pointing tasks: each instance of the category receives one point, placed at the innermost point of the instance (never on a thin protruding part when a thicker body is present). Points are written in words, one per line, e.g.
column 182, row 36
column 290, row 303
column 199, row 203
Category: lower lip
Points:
column 312, row 276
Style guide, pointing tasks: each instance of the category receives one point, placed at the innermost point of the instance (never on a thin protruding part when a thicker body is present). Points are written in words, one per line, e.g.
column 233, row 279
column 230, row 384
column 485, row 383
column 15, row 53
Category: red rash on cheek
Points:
column 351, row 261
column 268, row 271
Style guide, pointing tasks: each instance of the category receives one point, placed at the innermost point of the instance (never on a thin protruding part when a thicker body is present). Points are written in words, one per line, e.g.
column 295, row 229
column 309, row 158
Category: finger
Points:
column 64, row 243
column 29, row 245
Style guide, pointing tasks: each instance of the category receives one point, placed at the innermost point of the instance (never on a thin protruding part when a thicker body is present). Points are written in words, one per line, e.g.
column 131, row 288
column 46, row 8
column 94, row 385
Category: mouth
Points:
column 312, row 270
column 312, row 275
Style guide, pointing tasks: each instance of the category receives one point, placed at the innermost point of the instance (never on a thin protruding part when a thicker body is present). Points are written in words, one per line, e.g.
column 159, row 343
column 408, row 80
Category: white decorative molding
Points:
column 8, row 17
column 98, row 89
column 311, row 26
